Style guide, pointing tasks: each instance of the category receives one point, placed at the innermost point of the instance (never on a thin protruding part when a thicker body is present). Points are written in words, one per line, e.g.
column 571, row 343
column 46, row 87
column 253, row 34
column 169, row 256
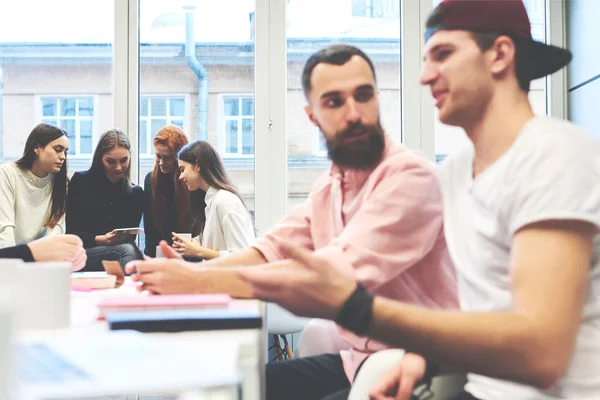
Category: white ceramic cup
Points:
column 185, row 236
column 43, row 294
column 159, row 253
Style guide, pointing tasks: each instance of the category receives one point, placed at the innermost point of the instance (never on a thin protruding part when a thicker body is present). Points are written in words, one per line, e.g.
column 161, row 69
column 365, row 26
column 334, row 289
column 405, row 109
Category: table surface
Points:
column 251, row 343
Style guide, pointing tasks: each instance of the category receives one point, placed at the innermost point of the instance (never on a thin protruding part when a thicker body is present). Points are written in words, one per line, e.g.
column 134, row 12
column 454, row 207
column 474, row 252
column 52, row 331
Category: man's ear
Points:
column 310, row 115
column 502, row 55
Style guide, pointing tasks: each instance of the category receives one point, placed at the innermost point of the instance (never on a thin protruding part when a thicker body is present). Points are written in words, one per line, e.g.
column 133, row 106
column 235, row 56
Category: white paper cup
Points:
column 43, row 294
column 159, row 253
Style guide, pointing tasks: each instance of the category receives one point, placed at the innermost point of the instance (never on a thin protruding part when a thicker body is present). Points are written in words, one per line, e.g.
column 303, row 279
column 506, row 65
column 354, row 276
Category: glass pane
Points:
column 86, row 107
column 144, row 107
column 231, row 134
column 67, row 107
column 231, row 106
column 85, row 137
column 156, row 125
column 158, row 107
column 247, row 136
column 69, row 126
column 64, row 48
column 449, row 139
column 144, row 138
column 247, row 107
column 177, row 107
column 224, row 45
column 374, row 27
column 49, row 107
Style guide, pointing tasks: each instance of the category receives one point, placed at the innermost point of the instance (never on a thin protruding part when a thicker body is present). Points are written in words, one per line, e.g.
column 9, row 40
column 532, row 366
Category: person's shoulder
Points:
column 398, row 159
column 136, row 190
column 10, row 168
column 147, row 180
column 555, row 143
column 225, row 197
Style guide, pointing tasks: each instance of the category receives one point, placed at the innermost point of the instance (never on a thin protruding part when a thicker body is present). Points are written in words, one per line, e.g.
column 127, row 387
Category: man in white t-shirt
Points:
column 522, row 216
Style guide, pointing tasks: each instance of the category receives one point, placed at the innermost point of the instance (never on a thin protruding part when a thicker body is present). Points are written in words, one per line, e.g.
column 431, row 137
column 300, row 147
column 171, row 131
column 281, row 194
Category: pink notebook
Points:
column 162, row 302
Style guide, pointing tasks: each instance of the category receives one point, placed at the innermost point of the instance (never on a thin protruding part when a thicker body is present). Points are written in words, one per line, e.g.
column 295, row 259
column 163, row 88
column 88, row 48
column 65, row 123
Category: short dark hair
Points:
column 485, row 40
column 336, row 54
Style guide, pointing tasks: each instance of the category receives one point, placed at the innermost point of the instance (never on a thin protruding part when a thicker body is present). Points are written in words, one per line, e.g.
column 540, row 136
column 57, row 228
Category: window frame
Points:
column 39, row 117
column 222, row 119
column 148, row 118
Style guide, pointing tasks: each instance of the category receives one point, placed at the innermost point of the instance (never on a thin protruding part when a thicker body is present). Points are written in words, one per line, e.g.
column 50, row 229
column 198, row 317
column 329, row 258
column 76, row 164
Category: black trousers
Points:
column 312, row 378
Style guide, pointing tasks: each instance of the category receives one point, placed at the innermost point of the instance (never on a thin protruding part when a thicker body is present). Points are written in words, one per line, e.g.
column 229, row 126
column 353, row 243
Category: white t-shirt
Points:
column 228, row 227
column 551, row 172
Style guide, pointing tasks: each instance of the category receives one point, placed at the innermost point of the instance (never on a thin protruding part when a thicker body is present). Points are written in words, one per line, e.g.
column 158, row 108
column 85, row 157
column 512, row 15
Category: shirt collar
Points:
column 210, row 194
column 356, row 177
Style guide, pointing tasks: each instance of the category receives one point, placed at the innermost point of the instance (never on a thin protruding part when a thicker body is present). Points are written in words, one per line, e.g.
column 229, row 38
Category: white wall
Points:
column 583, row 32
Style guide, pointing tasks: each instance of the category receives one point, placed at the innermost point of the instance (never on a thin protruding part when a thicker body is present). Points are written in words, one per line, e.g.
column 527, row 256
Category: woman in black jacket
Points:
column 103, row 199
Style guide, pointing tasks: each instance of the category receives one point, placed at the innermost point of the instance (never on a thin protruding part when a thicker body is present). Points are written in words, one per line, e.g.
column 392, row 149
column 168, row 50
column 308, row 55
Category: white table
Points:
column 251, row 343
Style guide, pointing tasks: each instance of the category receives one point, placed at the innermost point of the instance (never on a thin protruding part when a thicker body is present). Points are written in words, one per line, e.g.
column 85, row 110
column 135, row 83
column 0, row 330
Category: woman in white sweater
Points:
column 222, row 221
column 33, row 189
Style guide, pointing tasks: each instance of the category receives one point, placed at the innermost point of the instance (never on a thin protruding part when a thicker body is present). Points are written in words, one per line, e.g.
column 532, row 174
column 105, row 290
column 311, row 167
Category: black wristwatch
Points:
column 357, row 312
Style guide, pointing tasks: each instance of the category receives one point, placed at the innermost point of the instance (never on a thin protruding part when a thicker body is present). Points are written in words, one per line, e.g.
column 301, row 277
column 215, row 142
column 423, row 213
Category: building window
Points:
column 156, row 112
column 238, row 125
column 76, row 116
column 382, row 9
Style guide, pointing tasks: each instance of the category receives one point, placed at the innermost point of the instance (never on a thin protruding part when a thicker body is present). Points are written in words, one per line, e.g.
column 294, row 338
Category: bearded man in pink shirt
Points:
column 379, row 208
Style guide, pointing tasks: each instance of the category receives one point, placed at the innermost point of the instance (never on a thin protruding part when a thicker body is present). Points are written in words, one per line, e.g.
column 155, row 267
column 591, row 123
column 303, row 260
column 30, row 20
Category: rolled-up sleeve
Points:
column 396, row 226
column 294, row 229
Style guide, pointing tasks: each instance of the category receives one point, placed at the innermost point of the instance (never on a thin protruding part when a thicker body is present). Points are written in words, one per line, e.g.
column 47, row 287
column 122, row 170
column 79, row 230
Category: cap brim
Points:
column 546, row 59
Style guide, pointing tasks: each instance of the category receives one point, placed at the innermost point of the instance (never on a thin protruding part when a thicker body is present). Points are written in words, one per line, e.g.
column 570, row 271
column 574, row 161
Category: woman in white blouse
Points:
column 222, row 221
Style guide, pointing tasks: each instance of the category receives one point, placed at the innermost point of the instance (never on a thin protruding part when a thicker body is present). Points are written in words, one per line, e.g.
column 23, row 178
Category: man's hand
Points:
column 399, row 381
column 317, row 289
column 59, row 248
column 164, row 276
column 111, row 238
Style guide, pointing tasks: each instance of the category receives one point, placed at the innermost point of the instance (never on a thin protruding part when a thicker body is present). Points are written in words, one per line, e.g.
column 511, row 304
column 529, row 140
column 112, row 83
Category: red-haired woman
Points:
column 167, row 198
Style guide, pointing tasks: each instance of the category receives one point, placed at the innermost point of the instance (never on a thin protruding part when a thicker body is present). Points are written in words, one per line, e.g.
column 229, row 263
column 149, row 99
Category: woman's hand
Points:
column 111, row 238
column 187, row 248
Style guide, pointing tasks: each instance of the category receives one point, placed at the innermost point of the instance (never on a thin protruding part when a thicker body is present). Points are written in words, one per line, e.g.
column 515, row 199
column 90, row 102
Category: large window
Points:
column 238, row 125
column 57, row 67
column 156, row 112
column 76, row 116
column 449, row 140
column 204, row 52
column 384, row 9
column 310, row 28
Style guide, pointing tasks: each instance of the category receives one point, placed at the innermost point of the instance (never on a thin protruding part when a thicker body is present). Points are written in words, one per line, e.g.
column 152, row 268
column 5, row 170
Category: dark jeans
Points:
column 123, row 253
column 312, row 378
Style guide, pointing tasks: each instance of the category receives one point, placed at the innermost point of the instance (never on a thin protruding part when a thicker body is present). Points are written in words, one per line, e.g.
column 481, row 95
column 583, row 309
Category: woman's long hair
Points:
column 203, row 155
column 108, row 141
column 40, row 137
column 174, row 138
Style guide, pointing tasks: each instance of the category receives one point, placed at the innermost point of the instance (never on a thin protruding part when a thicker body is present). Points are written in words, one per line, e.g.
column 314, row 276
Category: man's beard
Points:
column 362, row 153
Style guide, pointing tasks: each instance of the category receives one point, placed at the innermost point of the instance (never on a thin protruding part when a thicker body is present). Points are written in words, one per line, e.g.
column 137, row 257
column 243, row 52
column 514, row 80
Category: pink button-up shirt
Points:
column 385, row 224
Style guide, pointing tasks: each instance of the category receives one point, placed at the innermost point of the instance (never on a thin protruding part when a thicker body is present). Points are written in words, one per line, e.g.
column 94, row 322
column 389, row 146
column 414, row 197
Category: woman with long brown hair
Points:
column 33, row 189
column 222, row 222
column 102, row 200
column 167, row 199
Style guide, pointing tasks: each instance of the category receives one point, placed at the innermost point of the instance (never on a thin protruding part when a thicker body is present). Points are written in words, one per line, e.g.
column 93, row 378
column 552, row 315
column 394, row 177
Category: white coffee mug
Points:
column 159, row 253
column 7, row 365
column 43, row 294
column 185, row 236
